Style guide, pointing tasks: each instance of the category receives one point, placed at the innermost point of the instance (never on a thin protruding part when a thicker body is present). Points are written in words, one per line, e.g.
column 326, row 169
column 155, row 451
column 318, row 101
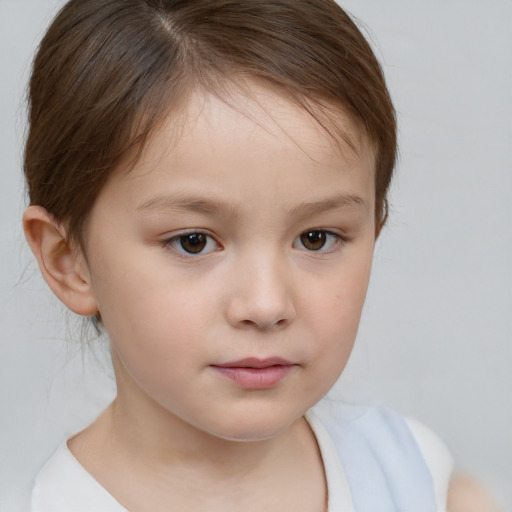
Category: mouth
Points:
column 254, row 373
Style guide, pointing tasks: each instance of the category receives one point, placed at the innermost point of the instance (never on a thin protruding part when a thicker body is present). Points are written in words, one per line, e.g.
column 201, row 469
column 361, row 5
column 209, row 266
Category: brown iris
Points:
column 313, row 240
column 193, row 243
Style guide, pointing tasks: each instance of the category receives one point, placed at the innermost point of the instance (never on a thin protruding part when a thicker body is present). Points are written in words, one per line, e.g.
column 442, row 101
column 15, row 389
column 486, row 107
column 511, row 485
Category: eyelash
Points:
column 204, row 240
column 176, row 243
column 335, row 240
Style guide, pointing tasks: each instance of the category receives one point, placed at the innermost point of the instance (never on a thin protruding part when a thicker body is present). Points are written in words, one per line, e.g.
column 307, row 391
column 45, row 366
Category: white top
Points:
column 63, row 485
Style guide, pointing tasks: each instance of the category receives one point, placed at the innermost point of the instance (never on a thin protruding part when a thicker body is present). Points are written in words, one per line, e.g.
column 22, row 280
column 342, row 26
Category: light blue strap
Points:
column 383, row 464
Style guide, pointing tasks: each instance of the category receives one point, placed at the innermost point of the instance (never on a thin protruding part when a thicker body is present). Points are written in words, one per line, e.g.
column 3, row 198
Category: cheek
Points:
column 335, row 310
column 154, row 321
column 157, row 346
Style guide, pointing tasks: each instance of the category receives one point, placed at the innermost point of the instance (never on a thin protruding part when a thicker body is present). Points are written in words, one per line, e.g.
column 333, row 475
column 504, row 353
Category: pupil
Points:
column 313, row 240
column 193, row 243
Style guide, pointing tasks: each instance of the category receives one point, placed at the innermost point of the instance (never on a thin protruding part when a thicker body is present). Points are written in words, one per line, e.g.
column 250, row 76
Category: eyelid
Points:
column 169, row 240
column 339, row 240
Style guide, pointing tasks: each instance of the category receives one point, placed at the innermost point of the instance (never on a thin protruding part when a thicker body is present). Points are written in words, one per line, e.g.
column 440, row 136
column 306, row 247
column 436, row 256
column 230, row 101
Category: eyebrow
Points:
column 336, row 202
column 209, row 206
column 186, row 202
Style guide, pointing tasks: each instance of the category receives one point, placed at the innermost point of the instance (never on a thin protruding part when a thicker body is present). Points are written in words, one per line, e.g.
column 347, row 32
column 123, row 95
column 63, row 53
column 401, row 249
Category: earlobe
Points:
column 63, row 267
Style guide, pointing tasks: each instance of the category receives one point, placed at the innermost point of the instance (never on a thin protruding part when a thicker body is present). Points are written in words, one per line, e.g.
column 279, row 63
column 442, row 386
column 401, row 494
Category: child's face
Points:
column 231, row 264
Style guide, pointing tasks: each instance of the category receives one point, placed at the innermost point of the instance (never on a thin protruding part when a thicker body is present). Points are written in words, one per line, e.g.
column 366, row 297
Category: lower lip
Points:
column 256, row 378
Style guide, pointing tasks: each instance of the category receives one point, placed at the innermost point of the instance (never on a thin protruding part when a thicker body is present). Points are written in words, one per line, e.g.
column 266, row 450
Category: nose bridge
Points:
column 263, row 294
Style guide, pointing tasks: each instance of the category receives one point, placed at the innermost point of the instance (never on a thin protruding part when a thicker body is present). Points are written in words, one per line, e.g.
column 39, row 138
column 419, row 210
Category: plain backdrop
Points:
column 436, row 336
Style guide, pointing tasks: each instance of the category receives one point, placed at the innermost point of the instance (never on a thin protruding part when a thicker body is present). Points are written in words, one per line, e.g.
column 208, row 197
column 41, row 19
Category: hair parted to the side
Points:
column 108, row 72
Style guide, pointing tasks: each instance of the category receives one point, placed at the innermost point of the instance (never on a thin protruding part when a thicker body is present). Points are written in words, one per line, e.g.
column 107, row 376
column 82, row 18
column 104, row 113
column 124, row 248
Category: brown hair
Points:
column 108, row 71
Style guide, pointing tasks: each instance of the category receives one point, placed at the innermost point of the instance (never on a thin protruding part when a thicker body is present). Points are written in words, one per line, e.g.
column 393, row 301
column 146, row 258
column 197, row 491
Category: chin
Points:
column 251, row 434
column 253, row 427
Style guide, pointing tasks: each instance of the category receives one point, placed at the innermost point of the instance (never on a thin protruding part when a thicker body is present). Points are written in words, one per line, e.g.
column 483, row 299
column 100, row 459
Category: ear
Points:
column 63, row 267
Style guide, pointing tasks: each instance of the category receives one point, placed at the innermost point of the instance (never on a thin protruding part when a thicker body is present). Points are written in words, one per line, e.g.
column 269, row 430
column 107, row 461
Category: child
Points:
column 207, row 180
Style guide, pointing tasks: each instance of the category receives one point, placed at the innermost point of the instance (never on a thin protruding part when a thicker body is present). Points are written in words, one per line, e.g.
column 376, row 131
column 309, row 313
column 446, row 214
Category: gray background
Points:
column 436, row 336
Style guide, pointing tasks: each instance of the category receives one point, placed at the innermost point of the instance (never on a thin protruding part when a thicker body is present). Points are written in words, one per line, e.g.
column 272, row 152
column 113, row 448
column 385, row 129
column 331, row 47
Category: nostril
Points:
column 263, row 325
column 261, row 309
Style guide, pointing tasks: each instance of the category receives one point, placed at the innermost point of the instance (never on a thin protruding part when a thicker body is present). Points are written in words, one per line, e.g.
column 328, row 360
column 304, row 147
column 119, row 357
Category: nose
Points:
column 262, row 295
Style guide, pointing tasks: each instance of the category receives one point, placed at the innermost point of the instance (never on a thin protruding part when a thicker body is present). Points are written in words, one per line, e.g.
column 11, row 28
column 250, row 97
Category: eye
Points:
column 316, row 240
column 193, row 243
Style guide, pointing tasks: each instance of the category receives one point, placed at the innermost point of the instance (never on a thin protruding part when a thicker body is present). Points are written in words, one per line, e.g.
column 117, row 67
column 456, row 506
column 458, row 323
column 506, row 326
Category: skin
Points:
column 179, row 431
column 468, row 495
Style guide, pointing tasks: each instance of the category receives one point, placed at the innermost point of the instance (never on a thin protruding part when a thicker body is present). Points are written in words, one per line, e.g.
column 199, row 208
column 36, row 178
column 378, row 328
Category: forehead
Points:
column 245, row 141
column 242, row 111
column 256, row 160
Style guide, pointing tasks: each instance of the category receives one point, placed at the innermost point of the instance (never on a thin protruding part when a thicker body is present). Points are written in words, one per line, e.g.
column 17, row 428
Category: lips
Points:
column 254, row 373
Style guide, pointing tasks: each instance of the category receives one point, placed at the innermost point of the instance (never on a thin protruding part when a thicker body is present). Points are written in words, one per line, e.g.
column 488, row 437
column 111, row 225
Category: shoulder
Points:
column 385, row 454
column 63, row 485
column 437, row 457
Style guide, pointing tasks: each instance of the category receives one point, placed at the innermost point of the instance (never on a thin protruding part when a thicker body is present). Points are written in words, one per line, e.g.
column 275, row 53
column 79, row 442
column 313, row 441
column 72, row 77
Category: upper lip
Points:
column 255, row 362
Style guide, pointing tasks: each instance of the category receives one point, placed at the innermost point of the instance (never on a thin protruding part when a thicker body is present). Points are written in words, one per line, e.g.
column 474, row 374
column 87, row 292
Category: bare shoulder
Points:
column 466, row 494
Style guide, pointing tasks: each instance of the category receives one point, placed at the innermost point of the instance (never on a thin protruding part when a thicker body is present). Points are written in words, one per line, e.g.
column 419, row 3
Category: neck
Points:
column 137, row 440
column 149, row 432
